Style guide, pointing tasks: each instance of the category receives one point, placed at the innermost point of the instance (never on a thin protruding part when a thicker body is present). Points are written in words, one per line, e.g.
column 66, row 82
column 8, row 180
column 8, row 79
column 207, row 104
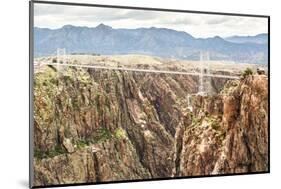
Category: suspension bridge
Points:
column 140, row 70
column 61, row 61
column 204, row 75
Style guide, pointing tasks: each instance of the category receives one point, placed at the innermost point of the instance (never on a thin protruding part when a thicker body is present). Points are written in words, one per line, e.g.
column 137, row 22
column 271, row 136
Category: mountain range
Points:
column 162, row 42
column 258, row 39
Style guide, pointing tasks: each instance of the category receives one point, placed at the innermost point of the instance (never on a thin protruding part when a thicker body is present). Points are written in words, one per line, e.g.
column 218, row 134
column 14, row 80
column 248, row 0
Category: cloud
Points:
column 218, row 20
column 198, row 25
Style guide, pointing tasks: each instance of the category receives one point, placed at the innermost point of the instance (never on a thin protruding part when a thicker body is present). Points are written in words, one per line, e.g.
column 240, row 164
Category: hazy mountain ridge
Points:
column 161, row 42
column 257, row 39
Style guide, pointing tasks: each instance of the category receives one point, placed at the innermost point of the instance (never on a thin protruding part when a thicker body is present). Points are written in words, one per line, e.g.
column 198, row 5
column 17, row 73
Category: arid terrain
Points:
column 97, row 125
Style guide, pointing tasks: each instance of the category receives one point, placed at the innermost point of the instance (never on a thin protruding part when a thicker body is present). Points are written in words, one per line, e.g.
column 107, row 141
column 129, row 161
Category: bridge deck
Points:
column 144, row 70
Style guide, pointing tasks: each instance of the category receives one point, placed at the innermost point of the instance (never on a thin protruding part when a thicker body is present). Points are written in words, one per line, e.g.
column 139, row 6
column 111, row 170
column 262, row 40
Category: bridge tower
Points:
column 204, row 78
column 61, row 56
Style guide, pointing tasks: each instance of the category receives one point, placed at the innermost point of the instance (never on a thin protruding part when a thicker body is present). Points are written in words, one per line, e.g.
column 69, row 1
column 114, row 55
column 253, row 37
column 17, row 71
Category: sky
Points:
column 198, row 25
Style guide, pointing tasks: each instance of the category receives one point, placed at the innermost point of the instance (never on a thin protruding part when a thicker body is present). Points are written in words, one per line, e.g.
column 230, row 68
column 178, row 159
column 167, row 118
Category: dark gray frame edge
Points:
column 31, row 118
column 31, row 104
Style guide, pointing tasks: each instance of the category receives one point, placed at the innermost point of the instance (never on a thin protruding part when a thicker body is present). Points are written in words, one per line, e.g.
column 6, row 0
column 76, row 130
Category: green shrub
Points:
column 120, row 133
column 247, row 72
column 101, row 135
column 57, row 150
column 215, row 125
column 82, row 143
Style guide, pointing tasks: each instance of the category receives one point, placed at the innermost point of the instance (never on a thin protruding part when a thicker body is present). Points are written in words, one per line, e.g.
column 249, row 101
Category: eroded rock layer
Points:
column 104, row 125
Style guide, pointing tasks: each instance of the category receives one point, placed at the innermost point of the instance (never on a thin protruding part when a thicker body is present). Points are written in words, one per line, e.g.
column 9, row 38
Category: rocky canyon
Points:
column 94, row 125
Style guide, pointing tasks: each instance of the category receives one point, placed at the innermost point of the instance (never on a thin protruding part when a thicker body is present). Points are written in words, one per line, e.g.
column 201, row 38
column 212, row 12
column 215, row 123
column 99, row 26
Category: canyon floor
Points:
column 98, row 125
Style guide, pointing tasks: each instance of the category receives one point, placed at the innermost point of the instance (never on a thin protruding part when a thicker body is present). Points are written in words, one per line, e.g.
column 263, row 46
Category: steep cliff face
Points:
column 228, row 133
column 103, row 125
column 245, row 120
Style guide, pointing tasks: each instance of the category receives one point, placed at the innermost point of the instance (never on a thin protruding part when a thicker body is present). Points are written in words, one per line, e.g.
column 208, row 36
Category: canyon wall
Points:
column 104, row 125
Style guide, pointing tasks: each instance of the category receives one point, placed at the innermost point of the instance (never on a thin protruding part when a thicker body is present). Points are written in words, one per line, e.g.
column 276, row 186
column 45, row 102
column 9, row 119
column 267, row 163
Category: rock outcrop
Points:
column 245, row 148
column 94, row 126
column 229, row 132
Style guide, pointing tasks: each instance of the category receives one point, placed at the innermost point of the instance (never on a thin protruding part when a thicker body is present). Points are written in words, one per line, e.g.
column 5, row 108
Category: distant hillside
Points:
column 258, row 39
column 161, row 42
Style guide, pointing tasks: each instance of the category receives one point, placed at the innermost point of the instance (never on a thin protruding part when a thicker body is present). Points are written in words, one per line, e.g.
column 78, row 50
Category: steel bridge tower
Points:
column 204, row 77
column 61, row 57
